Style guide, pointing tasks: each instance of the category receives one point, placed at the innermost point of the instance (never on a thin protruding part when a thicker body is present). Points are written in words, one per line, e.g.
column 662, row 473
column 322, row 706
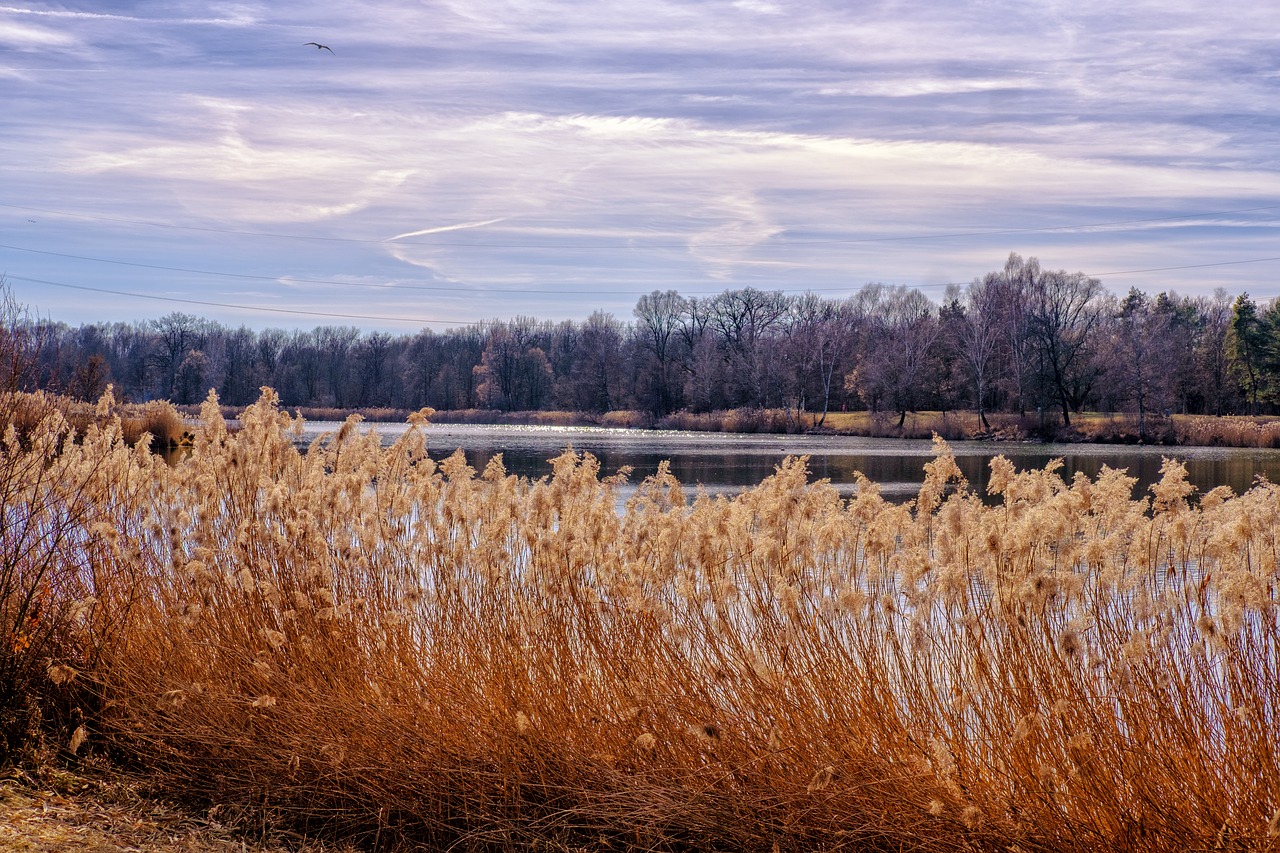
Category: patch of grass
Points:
column 952, row 425
column 364, row 644
column 159, row 419
column 1227, row 431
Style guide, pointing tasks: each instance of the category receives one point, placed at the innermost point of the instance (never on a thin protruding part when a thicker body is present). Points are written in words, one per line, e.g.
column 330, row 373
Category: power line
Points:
column 992, row 232
column 437, row 321
column 485, row 291
column 245, row 307
column 377, row 285
column 1187, row 267
column 252, row 277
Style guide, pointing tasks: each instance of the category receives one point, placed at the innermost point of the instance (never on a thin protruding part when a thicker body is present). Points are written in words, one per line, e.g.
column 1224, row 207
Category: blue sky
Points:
column 459, row 161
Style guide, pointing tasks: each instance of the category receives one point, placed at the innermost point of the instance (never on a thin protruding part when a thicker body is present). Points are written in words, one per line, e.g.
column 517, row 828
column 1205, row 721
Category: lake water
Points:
column 726, row 463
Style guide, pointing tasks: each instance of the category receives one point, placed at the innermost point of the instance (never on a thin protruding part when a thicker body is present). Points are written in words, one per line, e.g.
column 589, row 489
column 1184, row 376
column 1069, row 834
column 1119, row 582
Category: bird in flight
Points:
column 319, row 46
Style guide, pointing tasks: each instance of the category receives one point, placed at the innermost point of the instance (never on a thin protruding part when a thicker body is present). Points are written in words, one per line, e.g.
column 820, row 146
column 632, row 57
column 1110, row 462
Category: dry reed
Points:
column 357, row 640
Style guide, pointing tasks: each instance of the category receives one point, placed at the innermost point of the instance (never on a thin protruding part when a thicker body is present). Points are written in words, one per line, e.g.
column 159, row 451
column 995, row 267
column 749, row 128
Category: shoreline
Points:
column 1239, row 431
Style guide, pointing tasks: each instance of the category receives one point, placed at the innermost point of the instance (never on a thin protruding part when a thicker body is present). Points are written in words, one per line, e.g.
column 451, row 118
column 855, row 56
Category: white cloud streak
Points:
column 443, row 228
column 71, row 14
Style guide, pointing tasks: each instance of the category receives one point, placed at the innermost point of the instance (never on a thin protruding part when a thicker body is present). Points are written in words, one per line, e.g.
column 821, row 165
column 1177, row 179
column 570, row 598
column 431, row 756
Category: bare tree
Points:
column 743, row 320
column 373, row 355
column 335, row 343
column 658, row 317
column 1142, row 352
column 1212, row 358
column 189, row 383
column 1064, row 313
column 91, row 378
column 979, row 333
column 596, row 371
column 1011, row 290
column 176, row 335
column 512, row 373
column 901, row 330
column 820, row 335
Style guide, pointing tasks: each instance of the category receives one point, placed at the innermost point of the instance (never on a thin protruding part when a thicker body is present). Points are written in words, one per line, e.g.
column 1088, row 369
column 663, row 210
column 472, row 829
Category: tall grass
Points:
column 63, row 596
column 357, row 640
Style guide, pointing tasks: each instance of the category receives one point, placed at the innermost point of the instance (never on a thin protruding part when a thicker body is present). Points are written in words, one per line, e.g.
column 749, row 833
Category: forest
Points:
column 1019, row 339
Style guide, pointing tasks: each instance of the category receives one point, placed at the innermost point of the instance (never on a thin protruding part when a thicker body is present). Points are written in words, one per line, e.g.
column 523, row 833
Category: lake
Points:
column 726, row 463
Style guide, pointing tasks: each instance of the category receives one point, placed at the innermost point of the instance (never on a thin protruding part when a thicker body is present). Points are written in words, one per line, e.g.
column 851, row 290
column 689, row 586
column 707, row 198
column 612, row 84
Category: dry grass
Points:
column 951, row 425
column 1227, row 431
column 498, row 416
column 1186, row 430
column 111, row 812
column 159, row 419
column 364, row 644
column 733, row 420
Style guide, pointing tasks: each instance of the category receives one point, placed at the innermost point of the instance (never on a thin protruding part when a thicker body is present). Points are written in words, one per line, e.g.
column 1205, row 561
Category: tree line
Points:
column 1018, row 339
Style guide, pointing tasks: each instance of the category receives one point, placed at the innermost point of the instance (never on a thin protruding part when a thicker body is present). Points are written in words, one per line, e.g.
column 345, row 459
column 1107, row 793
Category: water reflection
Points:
column 728, row 463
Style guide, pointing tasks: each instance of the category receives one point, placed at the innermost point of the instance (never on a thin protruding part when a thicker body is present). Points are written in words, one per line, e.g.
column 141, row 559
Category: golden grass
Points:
column 359, row 641
column 1228, row 431
column 1185, row 430
column 161, row 420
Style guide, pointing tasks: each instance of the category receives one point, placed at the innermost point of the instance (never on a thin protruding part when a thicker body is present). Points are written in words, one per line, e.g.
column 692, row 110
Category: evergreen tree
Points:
column 1247, row 348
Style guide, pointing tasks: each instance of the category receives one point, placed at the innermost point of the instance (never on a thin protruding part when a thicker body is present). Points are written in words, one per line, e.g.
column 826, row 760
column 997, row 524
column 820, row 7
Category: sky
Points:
column 448, row 162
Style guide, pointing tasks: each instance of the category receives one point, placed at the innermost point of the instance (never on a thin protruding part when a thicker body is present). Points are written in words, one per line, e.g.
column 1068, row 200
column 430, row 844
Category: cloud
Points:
column 617, row 147
column 240, row 19
column 26, row 37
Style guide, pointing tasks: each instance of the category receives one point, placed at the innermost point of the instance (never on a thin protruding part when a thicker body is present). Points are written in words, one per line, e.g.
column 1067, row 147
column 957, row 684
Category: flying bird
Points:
column 319, row 46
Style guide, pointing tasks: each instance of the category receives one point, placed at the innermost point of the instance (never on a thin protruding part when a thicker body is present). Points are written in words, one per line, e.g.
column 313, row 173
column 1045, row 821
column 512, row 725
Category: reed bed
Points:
column 1228, row 431
column 358, row 641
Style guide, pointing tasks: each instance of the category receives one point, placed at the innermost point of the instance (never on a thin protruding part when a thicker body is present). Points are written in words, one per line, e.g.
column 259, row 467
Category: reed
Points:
column 1227, row 431
column 358, row 641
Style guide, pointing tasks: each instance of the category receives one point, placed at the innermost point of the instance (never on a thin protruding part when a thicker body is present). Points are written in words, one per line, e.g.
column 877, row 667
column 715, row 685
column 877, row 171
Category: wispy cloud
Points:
column 238, row 20
column 615, row 147
column 26, row 37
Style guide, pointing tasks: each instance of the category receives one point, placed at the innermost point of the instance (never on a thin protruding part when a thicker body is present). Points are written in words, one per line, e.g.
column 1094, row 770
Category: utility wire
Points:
column 621, row 246
column 377, row 285
column 484, row 291
column 488, row 291
column 1187, row 267
column 202, row 302
column 425, row 321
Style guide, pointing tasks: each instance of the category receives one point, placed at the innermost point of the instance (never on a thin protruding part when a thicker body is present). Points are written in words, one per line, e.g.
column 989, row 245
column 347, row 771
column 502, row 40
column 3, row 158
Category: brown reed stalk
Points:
column 357, row 640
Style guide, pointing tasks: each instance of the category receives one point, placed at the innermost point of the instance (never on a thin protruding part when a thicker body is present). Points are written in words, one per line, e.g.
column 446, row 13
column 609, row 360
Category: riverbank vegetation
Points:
column 1035, row 346
column 354, row 641
column 1104, row 427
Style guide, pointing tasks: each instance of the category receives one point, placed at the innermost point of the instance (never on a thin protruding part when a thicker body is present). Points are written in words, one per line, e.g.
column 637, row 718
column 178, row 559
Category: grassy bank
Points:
column 1183, row 430
column 359, row 643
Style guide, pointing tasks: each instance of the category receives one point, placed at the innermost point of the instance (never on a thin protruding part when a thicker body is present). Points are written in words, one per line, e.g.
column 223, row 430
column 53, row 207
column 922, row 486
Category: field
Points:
column 354, row 642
